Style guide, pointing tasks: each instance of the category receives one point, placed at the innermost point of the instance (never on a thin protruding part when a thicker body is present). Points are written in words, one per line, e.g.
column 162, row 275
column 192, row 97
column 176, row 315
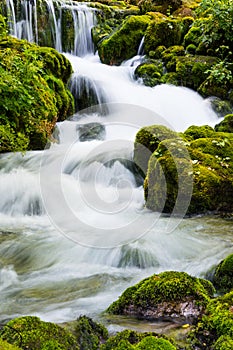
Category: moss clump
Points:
column 147, row 141
column 223, row 276
column 226, row 125
column 130, row 340
column 216, row 326
column 89, row 334
column 167, row 32
column 163, row 295
column 6, row 346
column 150, row 72
column 197, row 132
column 124, row 42
column 193, row 70
column 33, row 94
column 30, row 332
column 223, row 343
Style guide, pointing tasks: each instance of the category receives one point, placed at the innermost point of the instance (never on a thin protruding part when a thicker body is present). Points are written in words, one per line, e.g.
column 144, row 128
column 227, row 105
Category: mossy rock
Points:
column 196, row 132
column 150, row 72
column 216, row 326
column 130, row 340
column 89, row 334
column 221, row 108
column 191, row 71
column 167, row 32
column 147, row 141
column 169, row 295
column 226, row 125
column 193, row 173
column 34, row 94
column 223, row 276
column 29, row 332
column 169, row 178
column 6, row 346
column 124, row 42
column 163, row 6
column 219, row 81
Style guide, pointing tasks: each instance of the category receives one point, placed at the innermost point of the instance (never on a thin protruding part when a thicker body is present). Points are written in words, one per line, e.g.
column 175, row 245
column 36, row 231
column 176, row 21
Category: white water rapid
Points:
column 74, row 232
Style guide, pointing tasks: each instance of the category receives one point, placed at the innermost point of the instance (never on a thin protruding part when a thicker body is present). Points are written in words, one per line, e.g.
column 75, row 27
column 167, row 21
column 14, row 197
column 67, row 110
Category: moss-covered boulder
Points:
column 197, row 132
column 226, row 125
column 30, row 332
column 34, row 95
column 169, row 295
column 150, row 72
column 191, row 71
column 167, row 32
column 130, row 340
column 194, row 169
column 215, row 328
column 147, row 141
column 223, row 276
column 124, row 42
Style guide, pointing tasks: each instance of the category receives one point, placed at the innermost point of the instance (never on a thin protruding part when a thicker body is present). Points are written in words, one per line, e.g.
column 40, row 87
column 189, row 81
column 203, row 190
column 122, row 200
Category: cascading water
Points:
column 74, row 231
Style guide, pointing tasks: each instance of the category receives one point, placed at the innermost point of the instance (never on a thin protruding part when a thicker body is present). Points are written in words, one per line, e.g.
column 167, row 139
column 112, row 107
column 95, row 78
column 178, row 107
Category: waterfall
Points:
column 11, row 17
column 23, row 23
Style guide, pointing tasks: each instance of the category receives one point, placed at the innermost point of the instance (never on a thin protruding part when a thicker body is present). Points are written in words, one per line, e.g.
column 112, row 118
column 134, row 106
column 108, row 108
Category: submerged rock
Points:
column 169, row 295
column 91, row 131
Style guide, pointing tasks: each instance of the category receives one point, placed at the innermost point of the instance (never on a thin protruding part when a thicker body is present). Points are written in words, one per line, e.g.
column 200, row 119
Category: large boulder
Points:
column 168, row 295
column 123, row 43
column 193, row 169
column 34, row 93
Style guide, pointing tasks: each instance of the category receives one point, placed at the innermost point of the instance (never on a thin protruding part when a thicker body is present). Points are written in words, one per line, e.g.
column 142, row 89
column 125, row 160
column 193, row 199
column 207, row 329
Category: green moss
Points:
column 193, row 70
column 33, row 94
column 165, row 32
column 226, row 125
column 6, row 346
column 223, row 343
column 166, row 287
column 223, row 276
column 216, row 325
column 129, row 340
column 89, row 333
column 196, row 132
column 152, row 343
column 150, row 73
column 193, row 169
column 147, row 141
column 124, row 42
column 30, row 332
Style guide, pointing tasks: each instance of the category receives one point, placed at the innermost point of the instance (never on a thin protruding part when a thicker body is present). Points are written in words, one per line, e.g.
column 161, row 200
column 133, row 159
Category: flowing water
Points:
column 74, row 231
